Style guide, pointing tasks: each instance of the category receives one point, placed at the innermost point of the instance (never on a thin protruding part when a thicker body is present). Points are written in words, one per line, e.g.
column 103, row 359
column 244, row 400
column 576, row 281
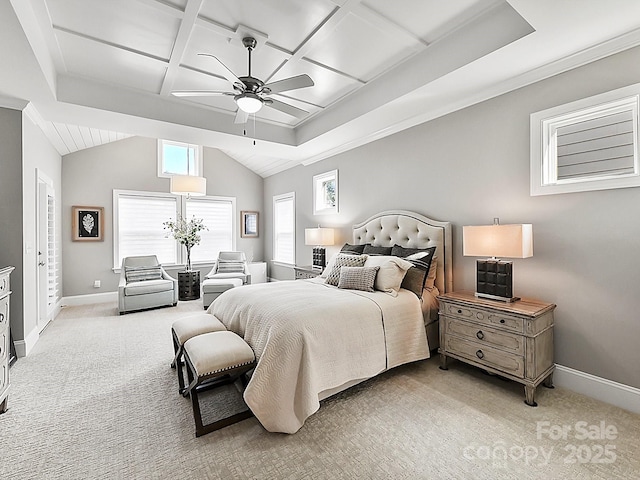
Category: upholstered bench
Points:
column 213, row 287
column 214, row 359
column 188, row 327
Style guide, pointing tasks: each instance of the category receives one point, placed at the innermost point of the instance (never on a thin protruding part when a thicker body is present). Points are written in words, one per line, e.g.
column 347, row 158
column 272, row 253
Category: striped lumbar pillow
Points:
column 140, row 274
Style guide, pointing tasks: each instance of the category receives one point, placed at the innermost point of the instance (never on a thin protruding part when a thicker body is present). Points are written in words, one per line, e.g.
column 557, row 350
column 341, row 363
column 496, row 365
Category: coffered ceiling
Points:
column 378, row 66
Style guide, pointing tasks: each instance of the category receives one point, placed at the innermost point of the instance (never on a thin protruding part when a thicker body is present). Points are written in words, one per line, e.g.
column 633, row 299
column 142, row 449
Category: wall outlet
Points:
column 96, row 284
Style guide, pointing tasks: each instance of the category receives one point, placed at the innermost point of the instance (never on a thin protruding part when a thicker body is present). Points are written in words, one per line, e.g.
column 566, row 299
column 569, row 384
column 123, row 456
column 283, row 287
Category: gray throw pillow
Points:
column 358, row 278
column 344, row 260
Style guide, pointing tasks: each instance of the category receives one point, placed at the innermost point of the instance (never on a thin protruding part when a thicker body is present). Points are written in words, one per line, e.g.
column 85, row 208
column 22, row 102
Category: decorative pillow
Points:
column 230, row 266
column 433, row 270
column 416, row 277
column 355, row 249
column 343, row 260
column 357, row 278
column 392, row 271
column 373, row 250
column 140, row 274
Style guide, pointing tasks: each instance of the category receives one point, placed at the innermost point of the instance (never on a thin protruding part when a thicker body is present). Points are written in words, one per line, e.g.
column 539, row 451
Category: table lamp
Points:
column 494, row 277
column 320, row 237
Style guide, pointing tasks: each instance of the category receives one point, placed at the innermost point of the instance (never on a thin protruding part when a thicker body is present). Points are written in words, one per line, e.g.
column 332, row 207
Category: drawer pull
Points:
column 479, row 354
column 502, row 320
column 1, row 317
column 459, row 311
column 480, row 335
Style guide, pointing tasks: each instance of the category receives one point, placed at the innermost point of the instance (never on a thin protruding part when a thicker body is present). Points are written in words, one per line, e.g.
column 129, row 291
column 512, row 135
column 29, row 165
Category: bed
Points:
column 312, row 339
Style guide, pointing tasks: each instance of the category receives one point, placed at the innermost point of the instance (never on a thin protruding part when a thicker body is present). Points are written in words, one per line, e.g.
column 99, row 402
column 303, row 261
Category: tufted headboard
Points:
column 410, row 230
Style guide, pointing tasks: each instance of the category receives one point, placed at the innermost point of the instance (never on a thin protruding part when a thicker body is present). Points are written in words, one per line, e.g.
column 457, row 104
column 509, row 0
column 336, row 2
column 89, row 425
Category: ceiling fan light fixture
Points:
column 249, row 102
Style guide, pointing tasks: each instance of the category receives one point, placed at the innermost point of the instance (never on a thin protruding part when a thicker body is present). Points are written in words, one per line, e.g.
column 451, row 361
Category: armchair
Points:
column 145, row 284
column 230, row 270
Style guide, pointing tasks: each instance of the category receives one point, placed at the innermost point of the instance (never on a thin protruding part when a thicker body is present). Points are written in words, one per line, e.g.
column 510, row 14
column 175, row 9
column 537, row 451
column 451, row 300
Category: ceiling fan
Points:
column 250, row 93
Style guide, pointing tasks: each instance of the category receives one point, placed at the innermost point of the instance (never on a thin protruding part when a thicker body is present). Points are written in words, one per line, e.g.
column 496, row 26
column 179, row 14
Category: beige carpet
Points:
column 97, row 399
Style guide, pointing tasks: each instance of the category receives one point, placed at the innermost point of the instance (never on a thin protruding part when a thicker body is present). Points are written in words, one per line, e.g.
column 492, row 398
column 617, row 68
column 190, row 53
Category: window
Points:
column 138, row 226
column 284, row 228
column 175, row 158
column 218, row 214
column 591, row 144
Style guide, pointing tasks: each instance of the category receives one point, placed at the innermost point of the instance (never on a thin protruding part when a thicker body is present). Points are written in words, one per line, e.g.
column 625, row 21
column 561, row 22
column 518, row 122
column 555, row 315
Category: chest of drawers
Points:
column 5, row 294
column 306, row 272
column 514, row 340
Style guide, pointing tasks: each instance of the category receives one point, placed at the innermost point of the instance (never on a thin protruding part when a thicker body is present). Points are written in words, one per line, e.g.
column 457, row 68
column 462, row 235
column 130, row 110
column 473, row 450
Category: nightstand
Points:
column 513, row 340
column 306, row 271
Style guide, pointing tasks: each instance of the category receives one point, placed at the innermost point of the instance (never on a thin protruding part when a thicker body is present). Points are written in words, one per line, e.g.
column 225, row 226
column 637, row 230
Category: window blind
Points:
column 140, row 229
column 218, row 218
column 596, row 147
column 284, row 228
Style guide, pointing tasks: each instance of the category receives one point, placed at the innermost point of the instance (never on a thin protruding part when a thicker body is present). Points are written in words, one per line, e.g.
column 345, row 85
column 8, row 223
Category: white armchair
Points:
column 145, row 284
column 231, row 265
column 230, row 270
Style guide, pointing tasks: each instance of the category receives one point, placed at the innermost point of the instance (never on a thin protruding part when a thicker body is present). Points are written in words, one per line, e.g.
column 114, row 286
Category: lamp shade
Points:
column 501, row 241
column 318, row 236
column 188, row 185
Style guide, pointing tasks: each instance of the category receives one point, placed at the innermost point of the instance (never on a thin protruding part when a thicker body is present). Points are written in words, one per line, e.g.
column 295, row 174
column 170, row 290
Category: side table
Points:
column 189, row 285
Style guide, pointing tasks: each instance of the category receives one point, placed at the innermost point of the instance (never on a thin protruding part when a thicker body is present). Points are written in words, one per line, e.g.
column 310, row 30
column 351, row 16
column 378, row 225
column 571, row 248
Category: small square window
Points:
column 175, row 158
column 591, row 144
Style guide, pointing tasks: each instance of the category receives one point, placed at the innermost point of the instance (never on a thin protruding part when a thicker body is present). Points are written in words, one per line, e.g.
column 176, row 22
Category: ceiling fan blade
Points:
column 286, row 84
column 286, row 108
column 241, row 116
column 199, row 93
column 228, row 74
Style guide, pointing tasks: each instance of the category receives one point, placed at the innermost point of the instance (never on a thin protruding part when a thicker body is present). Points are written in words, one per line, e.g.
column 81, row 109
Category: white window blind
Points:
column 284, row 228
column 139, row 227
column 218, row 214
column 598, row 146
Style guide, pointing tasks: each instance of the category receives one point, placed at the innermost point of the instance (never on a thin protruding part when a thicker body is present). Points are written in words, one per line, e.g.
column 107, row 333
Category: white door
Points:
column 46, row 269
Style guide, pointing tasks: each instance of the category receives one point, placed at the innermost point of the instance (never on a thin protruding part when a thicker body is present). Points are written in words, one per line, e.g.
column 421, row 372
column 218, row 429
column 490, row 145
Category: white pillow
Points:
column 392, row 271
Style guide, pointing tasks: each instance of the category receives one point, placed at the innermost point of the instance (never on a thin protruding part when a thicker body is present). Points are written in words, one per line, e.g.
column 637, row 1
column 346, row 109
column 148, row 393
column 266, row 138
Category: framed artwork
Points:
column 325, row 193
column 249, row 222
column 87, row 224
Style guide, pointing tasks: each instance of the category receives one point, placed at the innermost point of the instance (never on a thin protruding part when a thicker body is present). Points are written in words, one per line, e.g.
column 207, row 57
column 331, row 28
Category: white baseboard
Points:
column 617, row 394
column 90, row 298
column 23, row 347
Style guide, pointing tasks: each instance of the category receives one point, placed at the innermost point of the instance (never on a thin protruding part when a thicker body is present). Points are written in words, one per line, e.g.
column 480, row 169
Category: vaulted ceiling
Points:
column 90, row 67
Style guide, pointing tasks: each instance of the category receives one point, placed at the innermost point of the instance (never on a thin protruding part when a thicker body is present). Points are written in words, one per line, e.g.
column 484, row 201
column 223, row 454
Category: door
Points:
column 46, row 258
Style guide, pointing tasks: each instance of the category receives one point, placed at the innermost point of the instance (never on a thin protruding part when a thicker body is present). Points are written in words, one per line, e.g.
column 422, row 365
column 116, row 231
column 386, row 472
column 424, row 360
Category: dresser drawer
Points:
column 485, row 355
column 476, row 315
column 511, row 342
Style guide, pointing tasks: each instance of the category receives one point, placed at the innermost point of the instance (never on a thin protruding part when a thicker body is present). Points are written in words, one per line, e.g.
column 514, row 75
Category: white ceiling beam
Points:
column 168, row 8
column 187, row 24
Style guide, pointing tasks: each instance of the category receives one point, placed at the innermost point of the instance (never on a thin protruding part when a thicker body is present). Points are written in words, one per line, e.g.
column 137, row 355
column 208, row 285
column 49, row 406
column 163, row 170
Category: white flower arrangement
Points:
column 186, row 233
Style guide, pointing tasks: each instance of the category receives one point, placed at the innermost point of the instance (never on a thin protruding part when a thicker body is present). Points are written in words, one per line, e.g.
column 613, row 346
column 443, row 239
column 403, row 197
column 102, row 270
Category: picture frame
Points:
column 325, row 193
column 249, row 224
column 87, row 224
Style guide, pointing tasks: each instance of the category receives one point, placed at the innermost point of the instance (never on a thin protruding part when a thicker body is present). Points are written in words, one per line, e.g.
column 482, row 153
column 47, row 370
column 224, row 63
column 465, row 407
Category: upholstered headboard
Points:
column 410, row 230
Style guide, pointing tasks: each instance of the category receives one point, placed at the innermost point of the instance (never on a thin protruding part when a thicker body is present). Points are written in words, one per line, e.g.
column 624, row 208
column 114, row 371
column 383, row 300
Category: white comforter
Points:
column 311, row 338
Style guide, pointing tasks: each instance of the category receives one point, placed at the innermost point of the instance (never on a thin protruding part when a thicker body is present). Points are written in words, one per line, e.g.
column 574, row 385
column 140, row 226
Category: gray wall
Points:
column 11, row 209
column 473, row 165
column 89, row 178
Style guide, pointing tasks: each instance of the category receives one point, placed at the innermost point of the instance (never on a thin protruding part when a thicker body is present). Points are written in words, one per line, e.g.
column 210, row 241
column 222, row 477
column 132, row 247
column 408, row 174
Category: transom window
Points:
column 591, row 144
column 176, row 158
column 138, row 226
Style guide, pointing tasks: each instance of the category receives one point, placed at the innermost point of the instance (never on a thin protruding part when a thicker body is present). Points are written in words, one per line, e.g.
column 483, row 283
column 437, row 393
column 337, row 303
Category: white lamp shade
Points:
column 500, row 241
column 188, row 185
column 318, row 236
column 249, row 102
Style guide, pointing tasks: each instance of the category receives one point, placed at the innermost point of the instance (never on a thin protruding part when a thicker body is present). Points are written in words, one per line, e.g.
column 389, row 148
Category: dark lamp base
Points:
column 494, row 280
column 496, row 297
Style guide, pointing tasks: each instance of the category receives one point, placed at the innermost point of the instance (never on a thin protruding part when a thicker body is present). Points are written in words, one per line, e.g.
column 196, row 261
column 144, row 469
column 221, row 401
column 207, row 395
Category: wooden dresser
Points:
column 5, row 293
column 514, row 340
